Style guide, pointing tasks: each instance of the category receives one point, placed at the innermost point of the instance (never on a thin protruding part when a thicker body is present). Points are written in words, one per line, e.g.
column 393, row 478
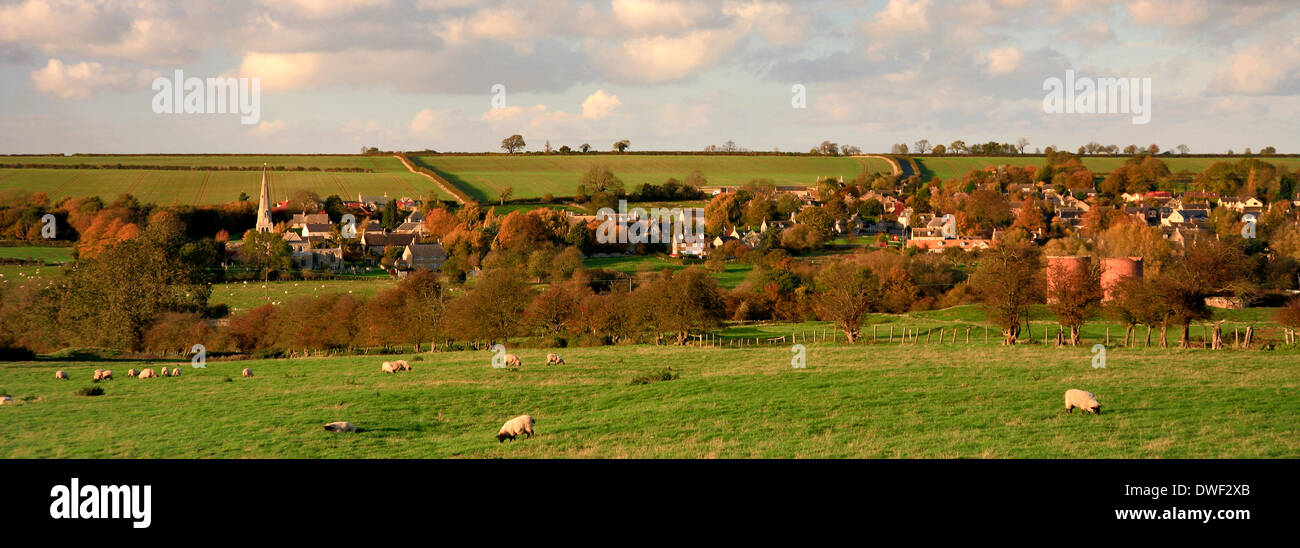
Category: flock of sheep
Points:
column 517, row 426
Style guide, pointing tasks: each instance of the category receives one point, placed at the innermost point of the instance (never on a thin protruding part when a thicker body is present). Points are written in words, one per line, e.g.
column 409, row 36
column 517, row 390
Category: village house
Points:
column 423, row 256
column 1186, row 217
column 1243, row 205
column 376, row 242
column 690, row 245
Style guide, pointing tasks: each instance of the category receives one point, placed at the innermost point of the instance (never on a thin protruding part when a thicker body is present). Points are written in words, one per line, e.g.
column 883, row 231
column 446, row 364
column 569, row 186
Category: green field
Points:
column 240, row 296
column 168, row 187
column 49, row 254
column 731, row 276
column 948, row 167
column 532, row 176
column 862, row 401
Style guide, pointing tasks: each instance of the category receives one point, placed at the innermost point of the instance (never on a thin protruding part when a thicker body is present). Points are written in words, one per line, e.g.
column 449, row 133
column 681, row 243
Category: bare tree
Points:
column 922, row 146
column 1021, row 144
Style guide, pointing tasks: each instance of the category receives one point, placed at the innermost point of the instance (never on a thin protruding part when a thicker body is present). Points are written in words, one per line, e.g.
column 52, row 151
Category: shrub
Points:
column 665, row 374
column 91, row 391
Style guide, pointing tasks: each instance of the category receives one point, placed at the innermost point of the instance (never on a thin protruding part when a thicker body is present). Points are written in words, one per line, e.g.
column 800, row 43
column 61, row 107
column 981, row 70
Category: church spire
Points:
column 264, row 206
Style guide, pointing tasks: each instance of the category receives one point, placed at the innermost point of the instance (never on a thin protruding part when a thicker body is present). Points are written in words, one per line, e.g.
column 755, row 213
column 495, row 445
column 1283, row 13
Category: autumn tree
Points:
column 1008, row 279
column 1074, row 292
column 844, row 291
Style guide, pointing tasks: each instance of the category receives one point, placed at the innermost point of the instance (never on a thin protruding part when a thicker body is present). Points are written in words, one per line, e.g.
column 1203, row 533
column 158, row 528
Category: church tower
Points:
column 264, row 206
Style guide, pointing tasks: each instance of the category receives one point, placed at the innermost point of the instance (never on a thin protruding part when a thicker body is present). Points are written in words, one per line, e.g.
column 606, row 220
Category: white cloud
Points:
column 1169, row 13
column 83, row 80
column 1003, row 60
column 323, row 8
column 643, row 15
column 599, row 105
column 1271, row 66
column 267, row 128
column 660, row 58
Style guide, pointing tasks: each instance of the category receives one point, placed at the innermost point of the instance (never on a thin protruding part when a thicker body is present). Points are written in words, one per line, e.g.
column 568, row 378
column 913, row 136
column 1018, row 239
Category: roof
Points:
column 426, row 251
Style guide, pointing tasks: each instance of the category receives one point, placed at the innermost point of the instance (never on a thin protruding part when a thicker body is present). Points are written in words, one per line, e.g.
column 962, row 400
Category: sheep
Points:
column 1081, row 399
column 6, row 400
column 341, row 426
column 554, row 359
column 389, row 367
column 401, row 365
column 513, row 360
column 164, row 372
column 247, row 372
column 148, row 373
column 106, row 375
column 61, row 375
column 132, row 373
column 98, row 372
column 523, row 424
column 176, row 371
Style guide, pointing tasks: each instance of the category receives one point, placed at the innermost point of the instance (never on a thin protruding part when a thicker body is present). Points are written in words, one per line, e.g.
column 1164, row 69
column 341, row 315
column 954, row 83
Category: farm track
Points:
column 444, row 187
column 342, row 187
column 893, row 164
column 56, row 190
column 203, row 187
column 136, row 183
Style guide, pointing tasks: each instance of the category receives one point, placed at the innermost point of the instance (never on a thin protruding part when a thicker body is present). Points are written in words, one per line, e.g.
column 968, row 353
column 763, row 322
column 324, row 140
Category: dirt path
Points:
column 446, row 187
column 893, row 164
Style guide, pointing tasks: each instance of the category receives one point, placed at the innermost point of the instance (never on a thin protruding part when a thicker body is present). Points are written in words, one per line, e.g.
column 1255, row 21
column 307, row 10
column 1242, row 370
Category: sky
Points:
column 664, row 74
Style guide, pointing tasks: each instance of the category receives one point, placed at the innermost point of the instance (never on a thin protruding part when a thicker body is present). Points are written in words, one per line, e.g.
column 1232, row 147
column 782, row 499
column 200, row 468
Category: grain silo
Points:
column 1115, row 270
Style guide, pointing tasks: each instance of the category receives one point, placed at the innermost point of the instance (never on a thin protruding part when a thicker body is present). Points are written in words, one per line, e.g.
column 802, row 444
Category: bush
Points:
column 665, row 374
column 91, row 391
column 16, row 354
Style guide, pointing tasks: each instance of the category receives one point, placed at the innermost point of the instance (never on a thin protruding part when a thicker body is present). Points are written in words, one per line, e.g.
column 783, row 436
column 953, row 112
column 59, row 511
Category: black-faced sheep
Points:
column 523, row 424
column 1081, row 399
column 554, row 359
column 341, row 426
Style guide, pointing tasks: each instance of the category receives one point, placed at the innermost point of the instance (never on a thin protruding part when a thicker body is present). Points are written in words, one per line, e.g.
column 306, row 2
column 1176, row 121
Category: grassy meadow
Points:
column 862, row 401
column 532, row 176
column 166, row 187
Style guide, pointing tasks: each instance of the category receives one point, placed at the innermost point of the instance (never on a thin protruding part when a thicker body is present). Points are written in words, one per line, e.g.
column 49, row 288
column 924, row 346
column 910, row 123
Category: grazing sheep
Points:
column 164, row 372
column 176, row 371
column 247, row 372
column 523, row 424
column 61, row 375
column 401, row 365
column 1081, row 399
column 513, row 361
column 98, row 372
column 554, row 359
column 341, row 426
column 106, row 375
column 132, row 373
column 148, row 374
column 6, row 400
column 389, row 367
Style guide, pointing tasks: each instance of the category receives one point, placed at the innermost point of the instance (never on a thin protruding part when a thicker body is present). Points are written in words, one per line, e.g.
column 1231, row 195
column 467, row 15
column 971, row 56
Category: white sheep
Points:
column 164, row 372
column 341, row 426
column 61, row 375
column 554, row 359
column 98, row 372
column 389, row 367
column 247, row 372
column 148, row 373
column 523, row 424
column 401, row 365
column 6, row 400
column 132, row 373
column 514, row 361
column 176, row 371
column 1081, row 399
column 106, row 375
